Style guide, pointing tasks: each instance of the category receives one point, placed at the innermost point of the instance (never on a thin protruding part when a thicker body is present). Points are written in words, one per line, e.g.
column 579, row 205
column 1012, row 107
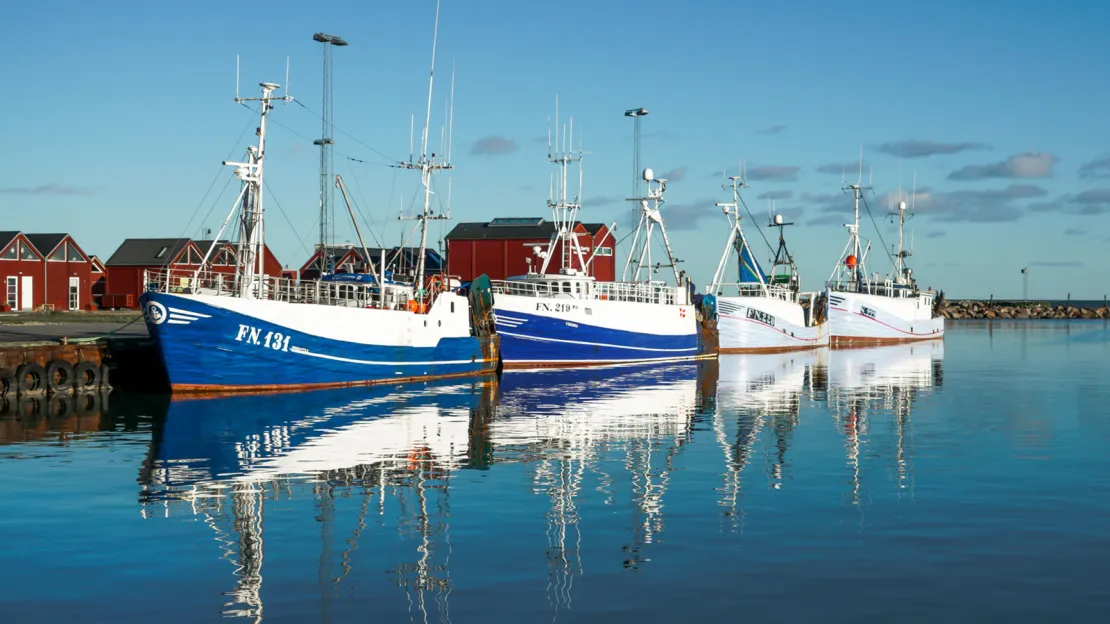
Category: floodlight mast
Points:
column 326, row 142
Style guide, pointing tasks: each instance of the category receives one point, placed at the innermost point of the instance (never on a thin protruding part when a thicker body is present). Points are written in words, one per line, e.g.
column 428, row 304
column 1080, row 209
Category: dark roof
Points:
column 144, row 251
column 203, row 245
column 7, row 237
column 486, row 231
column 45, row 243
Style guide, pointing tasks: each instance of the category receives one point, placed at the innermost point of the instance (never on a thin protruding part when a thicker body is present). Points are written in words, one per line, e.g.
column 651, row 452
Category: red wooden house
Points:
column 67, row 272
column 99, row 277
column 21, row 269
column 38, row 269
column 505, row 247
column 181, row 256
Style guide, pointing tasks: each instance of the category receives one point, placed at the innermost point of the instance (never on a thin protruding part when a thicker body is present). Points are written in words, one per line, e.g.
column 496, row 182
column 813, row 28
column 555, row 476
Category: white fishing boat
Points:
column 874, row 309
column 558, row 316
column 763, row 312
column 253, row 332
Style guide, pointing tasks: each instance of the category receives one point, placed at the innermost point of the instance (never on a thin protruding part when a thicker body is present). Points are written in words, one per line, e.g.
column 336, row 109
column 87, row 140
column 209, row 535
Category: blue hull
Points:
column 531, row 340
column 205, row 349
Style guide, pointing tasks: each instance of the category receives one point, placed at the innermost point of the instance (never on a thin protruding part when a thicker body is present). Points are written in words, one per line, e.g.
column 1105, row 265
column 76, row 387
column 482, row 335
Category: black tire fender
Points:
column 7, row 382
column 86, row 375
column 30, row 379
column 59, row 376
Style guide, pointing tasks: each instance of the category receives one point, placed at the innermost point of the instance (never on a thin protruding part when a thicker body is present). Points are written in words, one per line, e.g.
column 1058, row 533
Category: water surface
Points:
column 965, row 480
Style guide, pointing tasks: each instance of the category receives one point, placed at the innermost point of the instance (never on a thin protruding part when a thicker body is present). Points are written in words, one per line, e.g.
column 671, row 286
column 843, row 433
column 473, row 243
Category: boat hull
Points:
column 553, row 332
column 859, row 319
column 766, row 325
column 227, row 344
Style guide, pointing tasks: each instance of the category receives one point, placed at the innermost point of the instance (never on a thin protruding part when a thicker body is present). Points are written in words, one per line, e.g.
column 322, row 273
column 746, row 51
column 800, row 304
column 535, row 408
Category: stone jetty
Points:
column 961, row 310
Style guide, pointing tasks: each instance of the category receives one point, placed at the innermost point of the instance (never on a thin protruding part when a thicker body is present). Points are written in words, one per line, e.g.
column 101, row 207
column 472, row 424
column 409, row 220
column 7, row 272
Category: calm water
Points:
column 962, row 481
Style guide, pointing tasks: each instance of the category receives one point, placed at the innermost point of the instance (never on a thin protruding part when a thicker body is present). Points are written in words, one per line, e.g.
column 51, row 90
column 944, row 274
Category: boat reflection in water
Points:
column 588, row 441
column 865, row 385
column 757, row 392
column 227, row 459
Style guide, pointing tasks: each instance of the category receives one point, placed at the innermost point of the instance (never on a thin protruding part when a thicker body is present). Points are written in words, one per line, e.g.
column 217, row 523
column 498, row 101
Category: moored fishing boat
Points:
column 252, row 332
column 763, row 312
column 872, row 309
column 561, row 316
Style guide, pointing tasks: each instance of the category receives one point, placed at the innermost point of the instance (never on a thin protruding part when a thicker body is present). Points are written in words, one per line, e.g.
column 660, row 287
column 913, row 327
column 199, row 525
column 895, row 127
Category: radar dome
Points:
column 649, row 175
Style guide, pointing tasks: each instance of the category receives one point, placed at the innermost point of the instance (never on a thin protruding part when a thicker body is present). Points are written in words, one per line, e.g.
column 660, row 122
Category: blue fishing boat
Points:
column 563, row 316
column 248, row 331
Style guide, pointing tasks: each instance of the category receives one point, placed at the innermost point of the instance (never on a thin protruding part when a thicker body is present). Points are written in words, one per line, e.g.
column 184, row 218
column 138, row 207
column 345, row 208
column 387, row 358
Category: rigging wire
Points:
column 885, row 248
column 310, row 139
column 273, row 196
column 349, row 135
column 212, row 184
column 757, row 228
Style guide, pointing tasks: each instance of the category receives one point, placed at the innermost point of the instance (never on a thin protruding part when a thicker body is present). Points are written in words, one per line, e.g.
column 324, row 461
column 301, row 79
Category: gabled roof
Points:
column 144, row 251
column 46, row 243
column 497, row 231
column 96, row 262
column 5, row 238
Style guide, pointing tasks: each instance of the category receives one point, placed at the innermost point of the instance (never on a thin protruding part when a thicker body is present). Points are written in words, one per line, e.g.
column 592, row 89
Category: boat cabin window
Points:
column 578, row 288
column 566, row 287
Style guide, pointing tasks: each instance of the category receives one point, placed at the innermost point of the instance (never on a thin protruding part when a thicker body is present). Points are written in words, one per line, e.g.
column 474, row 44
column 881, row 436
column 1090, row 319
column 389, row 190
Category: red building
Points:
column 44, row 269
column 506, row 247
column 21, row 267
column 181, row 256
column 99, row 281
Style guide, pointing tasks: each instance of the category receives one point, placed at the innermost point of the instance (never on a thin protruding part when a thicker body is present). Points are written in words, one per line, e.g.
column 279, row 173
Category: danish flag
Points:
column 682, row 312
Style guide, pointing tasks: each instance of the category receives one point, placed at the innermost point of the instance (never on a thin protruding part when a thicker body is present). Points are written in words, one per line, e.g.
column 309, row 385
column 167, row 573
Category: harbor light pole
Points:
column 325, row 142
column 1025, row 283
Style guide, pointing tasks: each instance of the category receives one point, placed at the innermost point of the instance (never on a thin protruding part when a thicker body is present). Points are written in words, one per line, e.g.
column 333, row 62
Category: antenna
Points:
column 286, row 74
column 237, row 78
column 451, row 116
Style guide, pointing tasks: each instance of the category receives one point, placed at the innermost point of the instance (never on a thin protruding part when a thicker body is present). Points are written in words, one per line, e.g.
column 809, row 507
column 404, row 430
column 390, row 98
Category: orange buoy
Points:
column 850, row 262
column 413, row 305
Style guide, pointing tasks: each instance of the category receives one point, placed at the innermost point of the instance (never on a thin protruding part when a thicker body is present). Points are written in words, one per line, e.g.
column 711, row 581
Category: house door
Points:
column 27, row 292
column 12, row 292
column 75, row 293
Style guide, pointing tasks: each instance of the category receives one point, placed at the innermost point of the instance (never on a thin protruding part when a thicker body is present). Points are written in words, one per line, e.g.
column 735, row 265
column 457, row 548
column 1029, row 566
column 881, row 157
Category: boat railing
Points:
column 885, row 288
column 318, row 292
column 638, row 292
column 754, row 289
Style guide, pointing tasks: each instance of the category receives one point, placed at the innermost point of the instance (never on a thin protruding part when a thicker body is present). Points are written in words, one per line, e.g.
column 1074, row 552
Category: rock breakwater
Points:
column 960, row 310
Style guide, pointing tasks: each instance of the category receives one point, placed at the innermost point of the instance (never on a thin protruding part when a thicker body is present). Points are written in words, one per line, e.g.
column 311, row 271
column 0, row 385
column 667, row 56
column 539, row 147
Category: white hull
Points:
column 861, row 319
column 766, row 325
column 555, row 331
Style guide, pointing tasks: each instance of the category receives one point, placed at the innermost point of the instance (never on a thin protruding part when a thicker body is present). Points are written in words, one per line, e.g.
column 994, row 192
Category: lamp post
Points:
column 325, row 142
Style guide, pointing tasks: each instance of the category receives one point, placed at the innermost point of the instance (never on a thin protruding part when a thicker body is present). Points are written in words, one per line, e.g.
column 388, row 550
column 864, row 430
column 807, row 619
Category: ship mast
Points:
column 251, row 227
column 428, row 165
column 564, row 211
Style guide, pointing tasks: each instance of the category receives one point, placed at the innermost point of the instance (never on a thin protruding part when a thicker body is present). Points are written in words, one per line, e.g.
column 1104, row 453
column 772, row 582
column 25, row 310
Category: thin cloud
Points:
column 779, row 129
column 936, row 234
column 1027, row 165
column 914, row 148
column 776, row 195
column 493, row 145
column 686, row 216
column 674, row 175
column 973, row 206
column 1097, row 168
column 773, row 173
column 1074, row 232
column 1088, row 203
column 60, row 190
column 838, row 169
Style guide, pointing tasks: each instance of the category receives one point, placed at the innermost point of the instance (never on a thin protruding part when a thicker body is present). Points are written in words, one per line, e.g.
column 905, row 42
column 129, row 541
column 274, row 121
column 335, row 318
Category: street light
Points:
column 325, row 142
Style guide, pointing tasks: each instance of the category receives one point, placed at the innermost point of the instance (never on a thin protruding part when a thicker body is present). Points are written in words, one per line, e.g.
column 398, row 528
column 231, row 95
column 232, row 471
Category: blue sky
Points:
column 117, row 116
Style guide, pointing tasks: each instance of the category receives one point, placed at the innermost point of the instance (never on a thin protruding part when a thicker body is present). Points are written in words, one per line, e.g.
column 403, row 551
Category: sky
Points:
column 117, row 116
